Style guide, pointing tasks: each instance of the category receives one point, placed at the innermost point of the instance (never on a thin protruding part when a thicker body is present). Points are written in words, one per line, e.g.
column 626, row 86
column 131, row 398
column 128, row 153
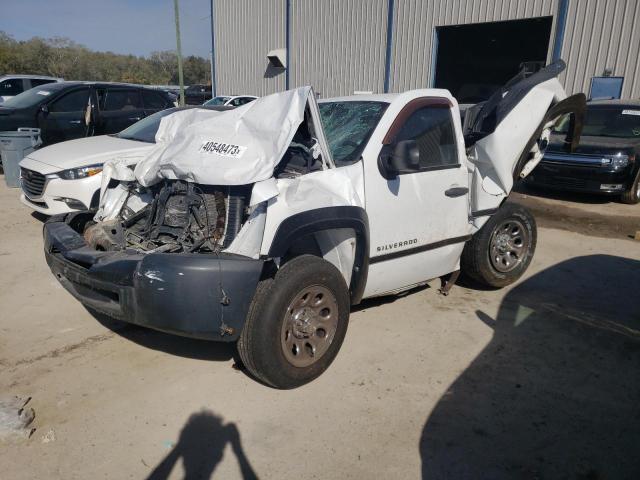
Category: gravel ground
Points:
column 539, row 380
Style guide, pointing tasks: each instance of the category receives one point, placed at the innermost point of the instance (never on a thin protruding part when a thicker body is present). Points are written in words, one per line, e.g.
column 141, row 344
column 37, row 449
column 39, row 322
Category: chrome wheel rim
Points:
column 509, row 245
column 309, row 326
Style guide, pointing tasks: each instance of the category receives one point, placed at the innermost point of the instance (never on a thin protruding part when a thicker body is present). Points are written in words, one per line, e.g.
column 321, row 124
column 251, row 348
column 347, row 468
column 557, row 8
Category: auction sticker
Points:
column 222, row 149
column 43, row 92
column 630, row 112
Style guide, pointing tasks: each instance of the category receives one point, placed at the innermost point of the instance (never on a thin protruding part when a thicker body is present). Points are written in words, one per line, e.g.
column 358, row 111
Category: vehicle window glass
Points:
column 35, row 82
column 145, row 130
column 119, row 100
column 242, row 101
column 348, row 126
column 33, row 96
column 607, row 121
column 75, row 101
column 11, row 87
column 432, row 129
column 153, row 100
column 217, row 101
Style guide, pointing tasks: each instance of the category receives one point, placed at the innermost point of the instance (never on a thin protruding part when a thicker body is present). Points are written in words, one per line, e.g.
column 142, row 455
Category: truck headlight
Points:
column 82, row 172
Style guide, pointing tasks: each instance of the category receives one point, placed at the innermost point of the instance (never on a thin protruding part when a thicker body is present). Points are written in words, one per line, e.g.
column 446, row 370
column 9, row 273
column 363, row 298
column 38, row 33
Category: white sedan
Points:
column 230, row 100
column 66, row 177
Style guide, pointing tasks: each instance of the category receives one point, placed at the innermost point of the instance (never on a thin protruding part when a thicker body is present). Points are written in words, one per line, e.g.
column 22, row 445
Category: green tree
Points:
column 62, row 57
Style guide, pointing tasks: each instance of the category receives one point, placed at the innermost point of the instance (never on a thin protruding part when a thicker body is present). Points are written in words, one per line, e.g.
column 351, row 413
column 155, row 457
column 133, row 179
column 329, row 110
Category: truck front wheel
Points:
column 296, row 323
column 501, row 251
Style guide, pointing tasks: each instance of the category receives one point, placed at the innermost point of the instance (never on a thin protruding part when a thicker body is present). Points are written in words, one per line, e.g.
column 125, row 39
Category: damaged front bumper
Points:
column 195, row 295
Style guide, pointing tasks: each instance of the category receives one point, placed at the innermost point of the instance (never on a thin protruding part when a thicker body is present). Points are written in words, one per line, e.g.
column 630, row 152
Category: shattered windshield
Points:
column 348, row 126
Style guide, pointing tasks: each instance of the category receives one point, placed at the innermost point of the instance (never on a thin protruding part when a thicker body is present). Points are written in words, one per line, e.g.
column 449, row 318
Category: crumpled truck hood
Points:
column 234, row 147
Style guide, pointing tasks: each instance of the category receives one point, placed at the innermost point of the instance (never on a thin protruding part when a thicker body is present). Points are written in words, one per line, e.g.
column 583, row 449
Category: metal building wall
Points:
column 414, row 23
column 245, row 31
column 338, row 46
column 602, row 34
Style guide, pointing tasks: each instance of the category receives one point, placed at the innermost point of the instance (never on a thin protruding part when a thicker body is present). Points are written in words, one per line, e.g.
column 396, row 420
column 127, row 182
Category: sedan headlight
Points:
column 82, row 172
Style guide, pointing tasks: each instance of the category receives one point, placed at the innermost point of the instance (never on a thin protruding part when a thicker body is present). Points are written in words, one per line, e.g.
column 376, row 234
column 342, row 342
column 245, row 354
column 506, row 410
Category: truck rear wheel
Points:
column 296, row 323
column 502, row 250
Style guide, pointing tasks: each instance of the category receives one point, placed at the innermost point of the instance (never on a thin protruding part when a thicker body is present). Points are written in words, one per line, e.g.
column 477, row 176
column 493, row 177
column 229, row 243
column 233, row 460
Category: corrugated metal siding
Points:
column 415, row 21
column 602, row 34
column 245, row 31
column 338, row 46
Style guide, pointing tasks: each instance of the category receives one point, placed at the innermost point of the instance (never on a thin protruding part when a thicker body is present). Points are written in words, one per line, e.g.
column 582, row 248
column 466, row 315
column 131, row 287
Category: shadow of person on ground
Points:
column 201, row 447
column 556, row 392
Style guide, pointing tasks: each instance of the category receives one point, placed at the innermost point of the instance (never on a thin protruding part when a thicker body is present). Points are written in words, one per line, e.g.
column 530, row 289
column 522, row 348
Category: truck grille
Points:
column 32, row 182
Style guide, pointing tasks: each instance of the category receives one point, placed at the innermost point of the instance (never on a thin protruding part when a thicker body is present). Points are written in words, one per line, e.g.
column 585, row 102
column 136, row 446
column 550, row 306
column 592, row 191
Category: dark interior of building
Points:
column 474, row 60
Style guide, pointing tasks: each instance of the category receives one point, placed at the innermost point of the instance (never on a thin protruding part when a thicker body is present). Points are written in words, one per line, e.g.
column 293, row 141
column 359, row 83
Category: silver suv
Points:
column 12, row 85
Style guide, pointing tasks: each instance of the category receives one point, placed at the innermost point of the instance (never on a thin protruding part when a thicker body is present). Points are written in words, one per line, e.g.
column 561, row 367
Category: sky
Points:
column 136, row 27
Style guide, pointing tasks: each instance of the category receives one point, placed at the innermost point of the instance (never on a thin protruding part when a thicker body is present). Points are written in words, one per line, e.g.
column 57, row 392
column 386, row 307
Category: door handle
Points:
column 75, row 122
column 456, row 191
column 135, row 118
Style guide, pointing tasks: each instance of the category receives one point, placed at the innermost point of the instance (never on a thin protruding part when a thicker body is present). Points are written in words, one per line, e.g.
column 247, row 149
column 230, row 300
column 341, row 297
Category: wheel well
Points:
column 305, row 245
column 337, row 246
column 341, row 234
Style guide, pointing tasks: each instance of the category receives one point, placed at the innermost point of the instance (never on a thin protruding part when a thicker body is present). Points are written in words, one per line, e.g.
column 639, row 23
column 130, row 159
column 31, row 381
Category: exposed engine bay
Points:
column 182, row 217
column 178, row 216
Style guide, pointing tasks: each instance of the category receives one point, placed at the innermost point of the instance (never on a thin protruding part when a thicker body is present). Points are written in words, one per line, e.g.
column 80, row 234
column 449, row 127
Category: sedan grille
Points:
column 32, row 182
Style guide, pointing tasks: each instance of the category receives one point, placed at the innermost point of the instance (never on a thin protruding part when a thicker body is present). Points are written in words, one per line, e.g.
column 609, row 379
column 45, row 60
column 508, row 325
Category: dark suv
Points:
column 197, row 94
column 68, row 110
column 607, row 160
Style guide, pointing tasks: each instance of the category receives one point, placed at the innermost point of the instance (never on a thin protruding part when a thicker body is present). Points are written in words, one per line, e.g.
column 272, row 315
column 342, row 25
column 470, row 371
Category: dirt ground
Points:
column 536, row 381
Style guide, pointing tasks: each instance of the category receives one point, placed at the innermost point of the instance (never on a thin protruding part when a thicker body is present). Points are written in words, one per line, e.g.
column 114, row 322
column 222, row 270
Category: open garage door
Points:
column 474, row 60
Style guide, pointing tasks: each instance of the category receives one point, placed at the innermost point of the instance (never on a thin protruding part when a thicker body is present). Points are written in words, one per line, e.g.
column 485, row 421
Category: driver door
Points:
column 64, row 117
column 418, row 218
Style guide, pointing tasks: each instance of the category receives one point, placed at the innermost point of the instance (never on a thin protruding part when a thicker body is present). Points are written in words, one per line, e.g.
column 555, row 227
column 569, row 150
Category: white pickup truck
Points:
column 264, row 224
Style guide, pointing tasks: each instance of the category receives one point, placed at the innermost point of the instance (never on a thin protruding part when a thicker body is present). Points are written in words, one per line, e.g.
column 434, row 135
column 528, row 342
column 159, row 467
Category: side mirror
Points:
column 401, row 157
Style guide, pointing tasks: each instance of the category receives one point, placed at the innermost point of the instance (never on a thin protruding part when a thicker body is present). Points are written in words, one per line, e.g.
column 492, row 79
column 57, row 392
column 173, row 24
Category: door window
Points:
column 153, row 100
column 75, row 101
column 118, row 100
column 432, row 130
column 11, row 87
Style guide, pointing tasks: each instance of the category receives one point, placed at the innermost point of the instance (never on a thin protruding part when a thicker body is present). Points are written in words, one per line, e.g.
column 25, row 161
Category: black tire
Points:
column 632, row 196
column 477, row 262
column 261, row 345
